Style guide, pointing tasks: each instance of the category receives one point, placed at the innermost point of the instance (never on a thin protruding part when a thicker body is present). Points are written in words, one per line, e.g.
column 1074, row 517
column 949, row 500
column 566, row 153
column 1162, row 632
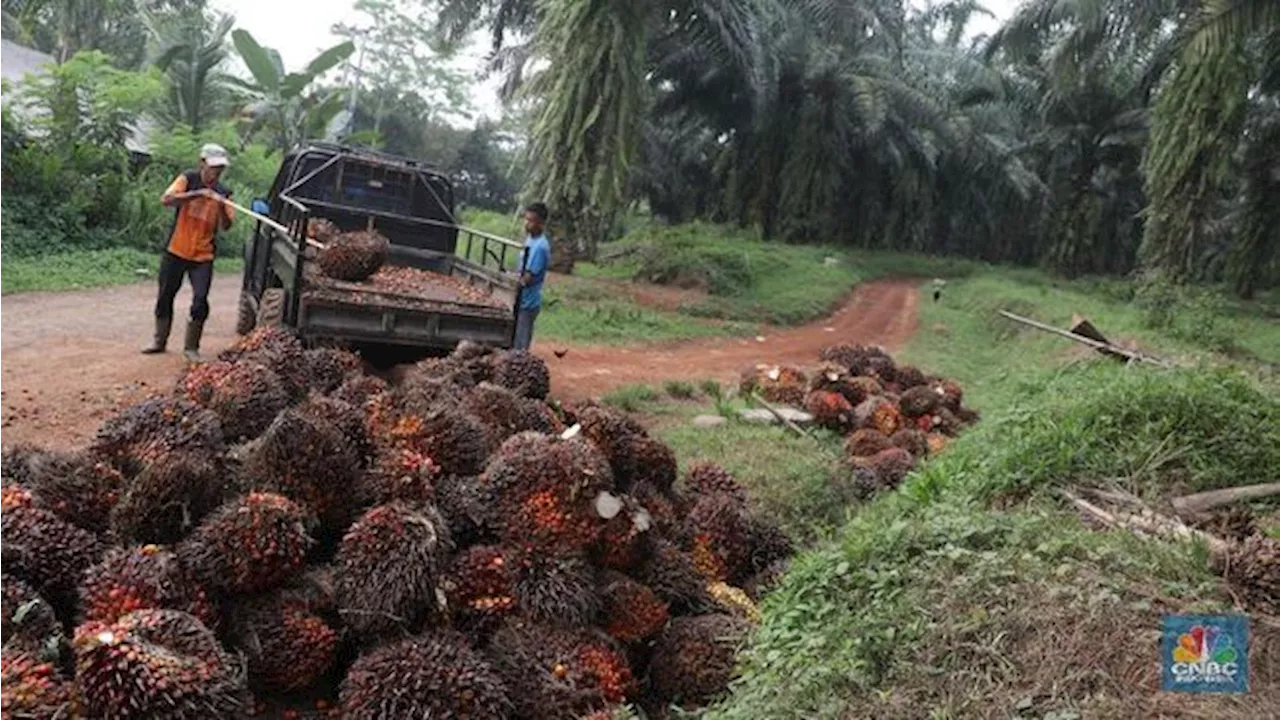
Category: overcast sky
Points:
column 299, row 34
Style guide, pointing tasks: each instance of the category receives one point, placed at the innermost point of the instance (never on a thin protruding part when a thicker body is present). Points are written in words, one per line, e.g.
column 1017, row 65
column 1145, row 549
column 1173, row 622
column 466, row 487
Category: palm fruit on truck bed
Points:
column 353, row 256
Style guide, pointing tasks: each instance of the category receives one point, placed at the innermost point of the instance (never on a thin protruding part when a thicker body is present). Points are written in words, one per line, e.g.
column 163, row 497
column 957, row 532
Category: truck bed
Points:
column 407, row 288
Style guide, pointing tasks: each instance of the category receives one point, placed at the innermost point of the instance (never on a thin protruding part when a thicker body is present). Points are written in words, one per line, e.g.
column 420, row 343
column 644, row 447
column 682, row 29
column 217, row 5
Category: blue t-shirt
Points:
column 537, row 257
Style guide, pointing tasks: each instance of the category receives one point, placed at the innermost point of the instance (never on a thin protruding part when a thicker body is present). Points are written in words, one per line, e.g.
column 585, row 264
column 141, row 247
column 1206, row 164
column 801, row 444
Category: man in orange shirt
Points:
column 198, row 216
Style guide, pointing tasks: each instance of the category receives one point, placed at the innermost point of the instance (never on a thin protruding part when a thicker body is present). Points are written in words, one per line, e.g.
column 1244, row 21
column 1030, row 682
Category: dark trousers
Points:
column 172, row 268
column 524, row 328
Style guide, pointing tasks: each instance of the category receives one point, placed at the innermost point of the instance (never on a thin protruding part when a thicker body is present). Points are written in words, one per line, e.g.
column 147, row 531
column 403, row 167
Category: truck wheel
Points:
column 271, row 307
column 246, row 316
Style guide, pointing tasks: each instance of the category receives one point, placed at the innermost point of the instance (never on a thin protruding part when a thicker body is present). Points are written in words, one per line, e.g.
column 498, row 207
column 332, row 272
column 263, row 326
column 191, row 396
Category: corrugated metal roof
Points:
column 17, row 61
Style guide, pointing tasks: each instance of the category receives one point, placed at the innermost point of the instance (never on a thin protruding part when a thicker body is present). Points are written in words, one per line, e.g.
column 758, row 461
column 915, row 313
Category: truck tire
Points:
column 271, row 307
column 246, row 316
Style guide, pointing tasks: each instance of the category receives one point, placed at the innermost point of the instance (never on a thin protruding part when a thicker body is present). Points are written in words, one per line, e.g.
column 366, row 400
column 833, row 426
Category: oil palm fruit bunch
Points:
column 719, row 525
column 664, row 518
column 496, row 408
column 890, row 466
column 453, row 439
column 693, row 660
column 353, row 256
column 29, row 624
column 830, row 410
column 322, row 229
column 937, row 442
column 734, row 601
column 557, row 589
column 867, row 386
column 345, row 417
column 328, row 368
column 672, row 575
column 1252, row 569
column 536, row 416
column 951, row 392
column 157, row 664
column 481, row 587
column 630, row 612
column 288, row 647
column 878, row 413
column 767, row 544
column 864, row 481
column 446, row 372
column 166, row 500
column 523, row 373
column 32, row 688
column 398, row 473
column 832, row 377
column 476, row 359
column 197, row 381
column 245, row 398
column 250, row 544
column 909, row 376
column 919, row 400
column 48, row 553
column 706, row 478
column 780, row 384
column 76, row 486
column 388, row 570
column 912, row 440
column 758, row 585
column 430, row 676
column 633, row 455
column 547, row 490
column 558, row 673
column 147, row 577
column 307, row 459
column 469, row 509
column 143, row 433
column 279, row 349
column 623, row 539
column 356, row 390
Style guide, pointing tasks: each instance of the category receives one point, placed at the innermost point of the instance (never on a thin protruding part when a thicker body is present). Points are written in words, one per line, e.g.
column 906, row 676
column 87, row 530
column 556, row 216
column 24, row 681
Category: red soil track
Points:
column 67, row 360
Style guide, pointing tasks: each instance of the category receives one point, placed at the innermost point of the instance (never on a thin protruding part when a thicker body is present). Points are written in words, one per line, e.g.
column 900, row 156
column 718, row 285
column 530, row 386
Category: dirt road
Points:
column 67, row 360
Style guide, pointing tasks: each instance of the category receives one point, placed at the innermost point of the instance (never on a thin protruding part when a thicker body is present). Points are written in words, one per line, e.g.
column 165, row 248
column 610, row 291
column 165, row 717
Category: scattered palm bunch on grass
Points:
column 1252, row 569
column 251, row 544
column 147, row 577
column 353, row 256
column 157, row 663
column 775, row 383
column 33, row 688
column 389, row 568
column 693, row 659
column 436, row 675
column 288, row 647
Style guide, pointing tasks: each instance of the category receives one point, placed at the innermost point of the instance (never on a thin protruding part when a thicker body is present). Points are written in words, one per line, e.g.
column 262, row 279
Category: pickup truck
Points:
column 442, row 283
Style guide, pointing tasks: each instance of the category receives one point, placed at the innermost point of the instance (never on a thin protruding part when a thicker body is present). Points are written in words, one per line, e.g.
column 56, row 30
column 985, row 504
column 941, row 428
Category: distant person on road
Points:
column 199, row 214
column 535, row 260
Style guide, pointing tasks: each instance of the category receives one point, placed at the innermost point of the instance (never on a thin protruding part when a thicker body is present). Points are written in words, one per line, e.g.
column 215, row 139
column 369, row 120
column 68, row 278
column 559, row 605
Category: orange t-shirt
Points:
column 195, row 227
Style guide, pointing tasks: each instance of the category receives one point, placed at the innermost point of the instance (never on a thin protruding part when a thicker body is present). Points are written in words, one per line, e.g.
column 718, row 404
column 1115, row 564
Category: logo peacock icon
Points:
column 1206, row 653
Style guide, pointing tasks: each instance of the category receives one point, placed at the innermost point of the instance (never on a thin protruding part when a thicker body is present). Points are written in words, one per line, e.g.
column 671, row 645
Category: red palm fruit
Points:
column 76, row 486
column 706, row 478
column 623, row 539
column 481, row 587
column 170, row 496
column 250, row 544
column 157, row 664
column 887, row 419
column 830, row 410
column 891, row 466
column 424, row 677
column 141, row 578
column 328, row 368
column 630, row 612
column 496, row 408
column 867, row 385
column 143, row 433
column 866, row 442
column 348, row 419
column 919, row 400
column 558, row 673
column 15, row 496
column 670, row 572
column 389, row 567
column 523, row 373
column 29, row 623
column 398, row 474
column 693, row 660
column 719, row 527
column 453, row 439
column 937, row 442
column 280, row 350
column 47, row 552
column 307, row 459
column 288, row 647
column 912, row 440
column 32, row 689
column 356, row 390
column 198, row 381
column 557, row 589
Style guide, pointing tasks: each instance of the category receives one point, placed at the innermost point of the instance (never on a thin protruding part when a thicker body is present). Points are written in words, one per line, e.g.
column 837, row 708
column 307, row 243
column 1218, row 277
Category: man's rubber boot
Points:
column 191, row 349
column 163, row 325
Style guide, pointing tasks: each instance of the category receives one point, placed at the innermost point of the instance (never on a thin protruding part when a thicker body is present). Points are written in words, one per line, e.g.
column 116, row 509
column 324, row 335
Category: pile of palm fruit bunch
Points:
column 284, row 534
column 892, row 416
column 349, row 256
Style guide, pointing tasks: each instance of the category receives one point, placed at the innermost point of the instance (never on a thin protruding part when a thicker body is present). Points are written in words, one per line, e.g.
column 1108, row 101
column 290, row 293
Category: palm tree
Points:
column 191, row 50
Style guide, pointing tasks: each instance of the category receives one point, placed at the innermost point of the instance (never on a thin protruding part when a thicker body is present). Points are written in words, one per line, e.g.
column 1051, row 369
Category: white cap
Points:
column 214, row 155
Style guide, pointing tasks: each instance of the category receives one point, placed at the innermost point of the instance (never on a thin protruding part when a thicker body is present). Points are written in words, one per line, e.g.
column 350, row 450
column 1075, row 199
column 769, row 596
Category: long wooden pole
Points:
column 1132, row 355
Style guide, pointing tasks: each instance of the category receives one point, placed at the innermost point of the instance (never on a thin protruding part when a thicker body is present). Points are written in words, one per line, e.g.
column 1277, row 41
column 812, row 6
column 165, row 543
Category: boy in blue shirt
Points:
column 536, row 259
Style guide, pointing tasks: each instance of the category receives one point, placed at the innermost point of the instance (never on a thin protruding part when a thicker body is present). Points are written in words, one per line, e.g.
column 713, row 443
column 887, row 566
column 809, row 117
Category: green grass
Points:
column 631, row 398
column 88, row 269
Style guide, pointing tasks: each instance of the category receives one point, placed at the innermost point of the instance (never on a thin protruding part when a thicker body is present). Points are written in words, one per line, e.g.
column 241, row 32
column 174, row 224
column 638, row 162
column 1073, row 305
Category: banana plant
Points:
column 280, row 102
